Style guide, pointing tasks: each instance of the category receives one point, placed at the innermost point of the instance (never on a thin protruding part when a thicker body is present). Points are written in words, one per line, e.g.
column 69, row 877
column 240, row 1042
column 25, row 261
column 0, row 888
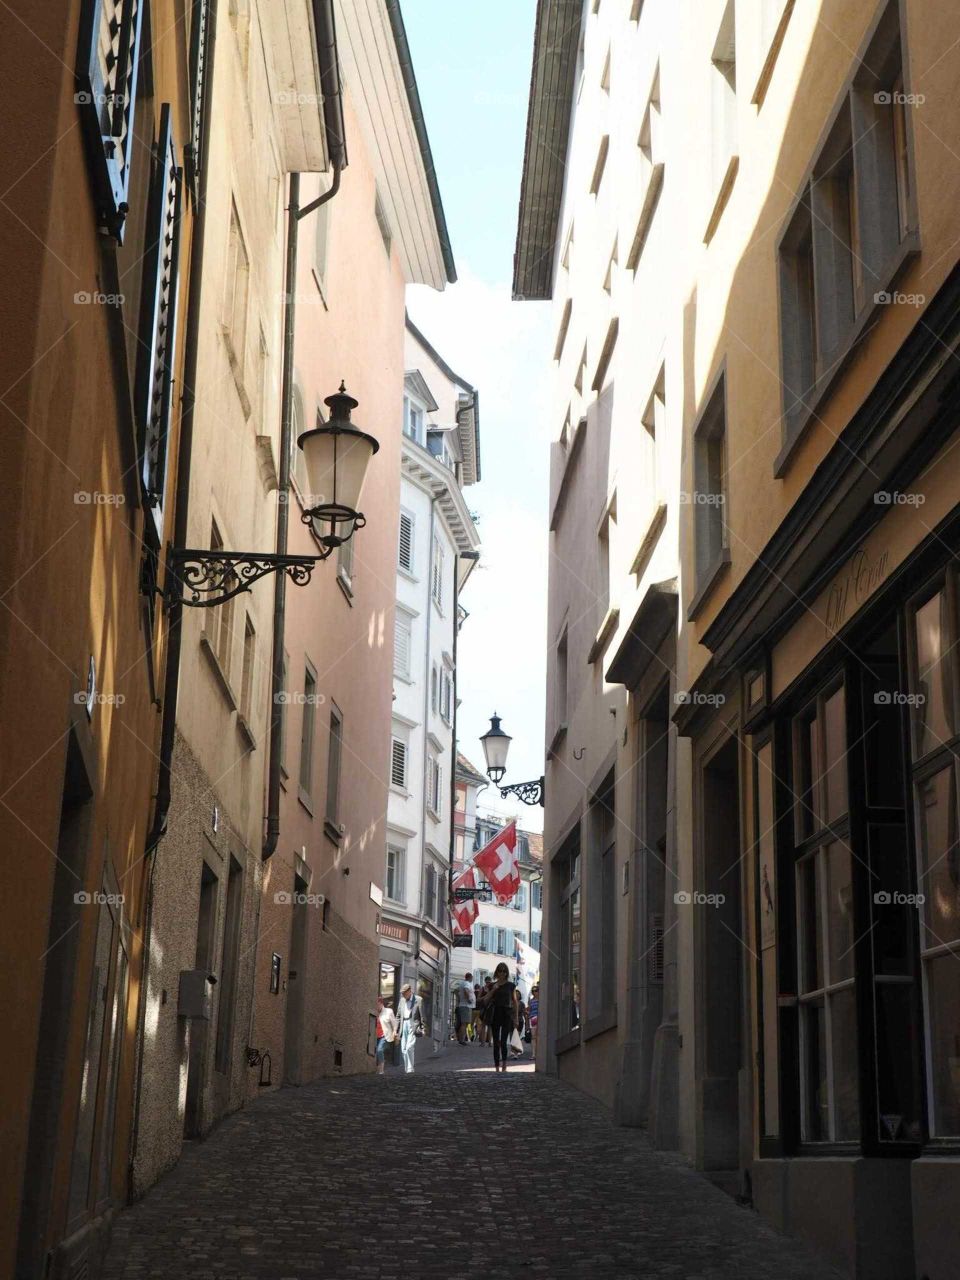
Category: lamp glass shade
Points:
column 336, row 460
column 496, row 743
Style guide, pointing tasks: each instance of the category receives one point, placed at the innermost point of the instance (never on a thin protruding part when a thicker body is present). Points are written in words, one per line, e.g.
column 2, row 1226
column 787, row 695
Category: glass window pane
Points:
column 811, row 968
column 939, row 860
column 843, row 1039
column 898, row 1035
column 575, row 958
column 807, row 774
column 815, row 1127
column 835, row 751
column 943, row 999
column 840, row 911
column 934, row 715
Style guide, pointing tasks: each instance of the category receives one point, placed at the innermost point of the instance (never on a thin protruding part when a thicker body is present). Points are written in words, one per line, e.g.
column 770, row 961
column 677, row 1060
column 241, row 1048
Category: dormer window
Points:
column 413, row 419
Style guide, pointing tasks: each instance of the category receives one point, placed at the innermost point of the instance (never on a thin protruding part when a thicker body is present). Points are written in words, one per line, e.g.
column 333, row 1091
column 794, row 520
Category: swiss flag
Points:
column 498, row 862
column 464, row 913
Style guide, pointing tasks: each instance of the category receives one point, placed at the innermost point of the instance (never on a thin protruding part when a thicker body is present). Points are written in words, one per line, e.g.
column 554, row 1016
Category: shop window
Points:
column 829, row 1069
column 425, row 992
column 568, row 868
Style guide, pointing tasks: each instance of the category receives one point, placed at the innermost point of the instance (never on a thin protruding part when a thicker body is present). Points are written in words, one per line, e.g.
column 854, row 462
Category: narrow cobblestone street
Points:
column 368, row 1177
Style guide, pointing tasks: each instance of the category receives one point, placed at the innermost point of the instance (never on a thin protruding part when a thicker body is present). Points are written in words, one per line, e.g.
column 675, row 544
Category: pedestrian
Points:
column 500, row 1013
column 521, row 1023
column 477, row 1013
column 533, row 1014
column 465, row 1005
column 410, row 1015
column 485, row 1033
column 386, row 1032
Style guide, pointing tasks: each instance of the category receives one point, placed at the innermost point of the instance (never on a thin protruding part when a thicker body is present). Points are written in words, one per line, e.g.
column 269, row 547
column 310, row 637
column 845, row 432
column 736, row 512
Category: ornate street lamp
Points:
column 336, row 455
column 496, row 744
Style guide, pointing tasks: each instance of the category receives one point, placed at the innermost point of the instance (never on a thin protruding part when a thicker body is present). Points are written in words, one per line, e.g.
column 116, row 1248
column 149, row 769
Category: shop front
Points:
column 431, row 984
column 843, row 710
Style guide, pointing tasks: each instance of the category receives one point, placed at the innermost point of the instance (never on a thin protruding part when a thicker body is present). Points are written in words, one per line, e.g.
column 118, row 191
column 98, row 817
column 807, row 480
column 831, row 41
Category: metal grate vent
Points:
column 655, row 950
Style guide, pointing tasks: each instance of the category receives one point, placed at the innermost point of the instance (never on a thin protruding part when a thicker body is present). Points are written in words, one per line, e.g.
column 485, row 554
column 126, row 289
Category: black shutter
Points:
column 107, row 62
column 158, row 323
column 199, row 10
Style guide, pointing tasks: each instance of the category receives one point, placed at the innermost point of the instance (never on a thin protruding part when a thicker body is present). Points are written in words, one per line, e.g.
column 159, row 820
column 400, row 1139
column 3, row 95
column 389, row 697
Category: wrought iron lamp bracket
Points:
column 527, row 792
column 202, row 579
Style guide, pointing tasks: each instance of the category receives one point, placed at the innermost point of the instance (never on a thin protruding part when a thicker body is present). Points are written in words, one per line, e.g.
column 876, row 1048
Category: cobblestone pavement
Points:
column 388, row 1178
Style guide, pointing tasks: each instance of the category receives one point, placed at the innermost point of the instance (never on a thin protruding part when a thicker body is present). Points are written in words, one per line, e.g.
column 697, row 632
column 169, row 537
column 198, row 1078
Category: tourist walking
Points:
column 533, row 1015
column 410, row 1014
column 386, row 1032
column 500, row 1014
column 466, row 1001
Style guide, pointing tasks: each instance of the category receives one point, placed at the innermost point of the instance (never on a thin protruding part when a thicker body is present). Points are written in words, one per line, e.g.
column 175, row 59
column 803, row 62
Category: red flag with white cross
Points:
column 464, row 913
column 498, row 862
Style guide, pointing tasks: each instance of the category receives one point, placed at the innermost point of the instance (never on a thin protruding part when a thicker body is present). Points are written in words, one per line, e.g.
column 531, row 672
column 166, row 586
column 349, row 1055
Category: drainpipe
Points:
column 334, row 128
column 473, row 556
column 426, row 716
column 171, row 683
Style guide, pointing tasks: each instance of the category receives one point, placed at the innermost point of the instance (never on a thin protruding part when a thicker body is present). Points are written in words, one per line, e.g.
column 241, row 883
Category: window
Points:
column 158, row 304
column 606, row 917
column 564, row 327
column 520, row 899
column 567, row 246
column 199, row 10
column 320, row 243
column 306, row 732
column 829, row 1077
column 847, row 236
column 434, row 683
column 709, row 496
column 405, row 547
column 436, row 583
column 502, row 942
column 606, row 354
column 581, row 371
column 279, row 721
column 234, row 319
column 396, row 886
column 430, row 894
column 334, row 766
column 345, row 565
column 600, row 164
column 383, row 222
column 774, row 16
column 561, row 681
column 220, row 619
column 653, row 436
column 482, row 937
column 446, row 697
column 399, row 748
column 413, row 417
column 933, row 678
column 567, row 867
column 249, row 669
column 403, row 643
column 650, row 142
column 723, row 110
column 535, row 940
column 537, row 892
column 605, row 531
column 434, row 786
column 107, row 65
column 611, row 264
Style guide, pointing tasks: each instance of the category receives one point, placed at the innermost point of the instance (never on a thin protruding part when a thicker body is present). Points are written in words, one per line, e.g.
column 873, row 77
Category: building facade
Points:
column 437, row 549
column 789, row 667
column 98, row 232
column 318, row 956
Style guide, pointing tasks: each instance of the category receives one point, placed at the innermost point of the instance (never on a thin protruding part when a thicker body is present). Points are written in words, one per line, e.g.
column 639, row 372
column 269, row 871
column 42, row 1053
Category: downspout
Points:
column 336, row 149
column 426, row 707
column 171, row 682
column 474, row 556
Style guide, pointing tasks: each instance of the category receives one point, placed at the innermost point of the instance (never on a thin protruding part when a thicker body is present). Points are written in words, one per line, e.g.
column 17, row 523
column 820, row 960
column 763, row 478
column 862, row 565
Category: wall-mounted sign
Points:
column 463, row 939
column 376, row 894
column 855, row 583
column 399, row 932
column 429, row 948
column 479, row 895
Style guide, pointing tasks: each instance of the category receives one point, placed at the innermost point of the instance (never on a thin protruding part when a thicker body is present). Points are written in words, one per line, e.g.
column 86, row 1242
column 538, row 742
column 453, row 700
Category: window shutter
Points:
column 108, row 58
column 198, row 58
column 401, row 657
column 405, row 554
column 158, row 321
column 398, row 763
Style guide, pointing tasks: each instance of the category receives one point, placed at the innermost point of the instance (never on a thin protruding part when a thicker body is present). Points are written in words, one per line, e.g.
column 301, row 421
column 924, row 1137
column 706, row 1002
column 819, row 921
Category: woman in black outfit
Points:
column 500, row 1014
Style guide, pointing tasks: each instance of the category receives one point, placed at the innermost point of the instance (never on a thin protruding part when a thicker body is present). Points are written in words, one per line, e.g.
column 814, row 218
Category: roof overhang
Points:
column 416, row 383
column 556, row 40
column 655, row 615
column 292, row 53
column 430, row 474
column 378, row 71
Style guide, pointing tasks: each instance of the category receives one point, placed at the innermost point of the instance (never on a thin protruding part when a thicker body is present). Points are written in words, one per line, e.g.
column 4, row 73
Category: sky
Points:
column 472, row 63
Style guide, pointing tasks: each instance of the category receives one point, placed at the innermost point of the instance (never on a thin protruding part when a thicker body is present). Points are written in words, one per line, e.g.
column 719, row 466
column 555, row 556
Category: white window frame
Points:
column 401, row 853
column 403, row 627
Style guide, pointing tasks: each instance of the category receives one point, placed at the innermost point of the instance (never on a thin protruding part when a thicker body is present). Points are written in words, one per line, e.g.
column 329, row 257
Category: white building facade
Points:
column 437, row 549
